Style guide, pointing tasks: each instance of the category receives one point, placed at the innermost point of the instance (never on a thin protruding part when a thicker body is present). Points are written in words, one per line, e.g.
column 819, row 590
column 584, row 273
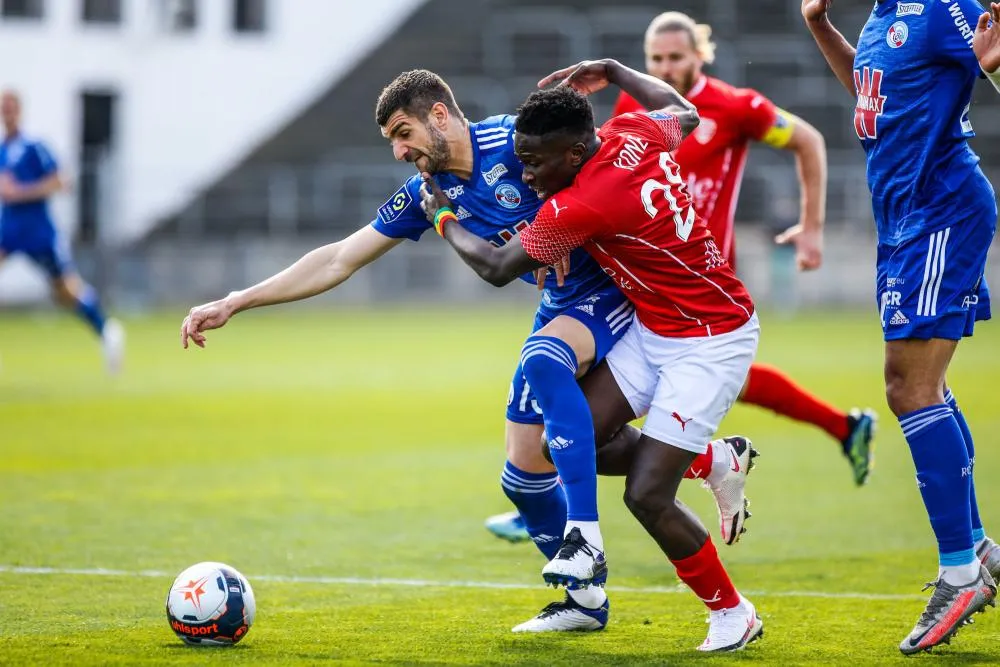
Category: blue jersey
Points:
column 28, row 162
column 493, row 204
column 914, row 72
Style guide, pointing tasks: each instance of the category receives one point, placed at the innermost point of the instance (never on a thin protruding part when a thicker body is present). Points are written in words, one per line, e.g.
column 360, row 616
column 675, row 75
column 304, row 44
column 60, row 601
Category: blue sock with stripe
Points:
column 944, row 477
column 549, row 367
column 88, row 307
column 978, row 534
column 542, row 503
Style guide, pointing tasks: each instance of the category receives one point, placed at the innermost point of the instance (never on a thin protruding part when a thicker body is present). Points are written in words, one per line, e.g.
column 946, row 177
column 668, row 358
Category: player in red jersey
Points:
column 712, row 160
column 618, row 194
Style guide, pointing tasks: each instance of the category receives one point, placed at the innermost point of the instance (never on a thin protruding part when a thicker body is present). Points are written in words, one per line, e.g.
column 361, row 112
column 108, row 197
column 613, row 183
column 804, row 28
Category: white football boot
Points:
column 729, row 488
column 567, row 616
column 578, row 564
column 732, row 629
column 113, row 345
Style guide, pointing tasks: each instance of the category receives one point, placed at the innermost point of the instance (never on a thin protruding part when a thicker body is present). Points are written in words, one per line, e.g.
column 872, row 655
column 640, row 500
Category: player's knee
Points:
column 903, row 395
column 542, row 356
column 647, row 500
column 529, row 459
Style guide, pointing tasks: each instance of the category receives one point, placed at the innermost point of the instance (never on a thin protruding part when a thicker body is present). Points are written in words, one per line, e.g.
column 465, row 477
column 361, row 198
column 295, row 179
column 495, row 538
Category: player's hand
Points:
column 815, row 10
column 585, row 77
column 986, row 40
column 203, row 318
column 808, row 246
column 9, row 189
column 561, row 268
column 432, row 198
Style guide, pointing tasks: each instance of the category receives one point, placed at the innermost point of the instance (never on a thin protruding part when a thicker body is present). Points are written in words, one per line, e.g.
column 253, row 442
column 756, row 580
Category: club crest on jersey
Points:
column 705, row 131
column 396, row 204
column 871, row 102
column 508, row 196
column 896, row 37
column 494, row 174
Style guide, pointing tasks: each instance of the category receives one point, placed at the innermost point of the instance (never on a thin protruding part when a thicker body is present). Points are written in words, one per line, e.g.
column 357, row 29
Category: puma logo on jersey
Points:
column 556, row 207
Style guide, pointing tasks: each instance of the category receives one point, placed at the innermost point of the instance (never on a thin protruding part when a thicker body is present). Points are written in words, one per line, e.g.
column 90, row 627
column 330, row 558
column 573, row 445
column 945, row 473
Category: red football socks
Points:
column 704, row 574
column 769, row 388
column 701, row 467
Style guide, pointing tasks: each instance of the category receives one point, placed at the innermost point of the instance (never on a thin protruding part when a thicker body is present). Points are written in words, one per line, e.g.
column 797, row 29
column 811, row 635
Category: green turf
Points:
column 368, row 444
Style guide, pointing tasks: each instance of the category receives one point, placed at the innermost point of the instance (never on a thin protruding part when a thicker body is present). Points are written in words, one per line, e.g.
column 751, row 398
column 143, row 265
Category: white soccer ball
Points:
column 211, row 604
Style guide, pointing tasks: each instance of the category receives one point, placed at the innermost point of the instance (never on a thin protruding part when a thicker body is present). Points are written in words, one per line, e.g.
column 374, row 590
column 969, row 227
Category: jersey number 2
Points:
column 684, row 222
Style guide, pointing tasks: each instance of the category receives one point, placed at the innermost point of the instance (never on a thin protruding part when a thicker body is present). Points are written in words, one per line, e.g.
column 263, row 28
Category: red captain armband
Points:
column 443, row 216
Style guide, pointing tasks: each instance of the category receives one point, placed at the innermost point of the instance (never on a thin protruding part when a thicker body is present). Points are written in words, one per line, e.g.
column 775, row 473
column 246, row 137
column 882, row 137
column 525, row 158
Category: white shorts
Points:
column 687, row 385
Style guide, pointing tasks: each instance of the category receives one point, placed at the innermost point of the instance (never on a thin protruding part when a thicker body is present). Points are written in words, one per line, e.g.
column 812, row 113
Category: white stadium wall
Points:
column 191, row 104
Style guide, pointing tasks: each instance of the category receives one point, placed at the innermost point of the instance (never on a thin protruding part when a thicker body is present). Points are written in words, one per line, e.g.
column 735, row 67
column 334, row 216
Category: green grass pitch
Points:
column 313, row 447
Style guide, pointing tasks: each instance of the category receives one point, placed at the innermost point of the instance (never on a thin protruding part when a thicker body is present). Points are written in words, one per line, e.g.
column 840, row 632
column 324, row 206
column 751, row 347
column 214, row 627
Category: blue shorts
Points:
column 933, row 286
column 50, row 253
column 606, row 312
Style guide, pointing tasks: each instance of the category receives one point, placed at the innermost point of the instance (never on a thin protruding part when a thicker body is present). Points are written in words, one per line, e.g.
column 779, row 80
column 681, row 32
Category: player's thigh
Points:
column 524, row 447
column 609, row 406
column 627, row 377
column 592, row 326
column 698, row 380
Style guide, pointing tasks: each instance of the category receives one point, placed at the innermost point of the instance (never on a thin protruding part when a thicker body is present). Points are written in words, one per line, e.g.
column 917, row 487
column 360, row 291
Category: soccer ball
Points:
column 210, row 604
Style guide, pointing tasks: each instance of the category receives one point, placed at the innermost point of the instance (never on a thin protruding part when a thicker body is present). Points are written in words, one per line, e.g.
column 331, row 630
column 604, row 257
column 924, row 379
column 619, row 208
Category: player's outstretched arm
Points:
column 809, row 147
column 318, row 271
column 12, row 192
column 986, row 44
column 591, row 76
column 497, row 266
column 836, row 49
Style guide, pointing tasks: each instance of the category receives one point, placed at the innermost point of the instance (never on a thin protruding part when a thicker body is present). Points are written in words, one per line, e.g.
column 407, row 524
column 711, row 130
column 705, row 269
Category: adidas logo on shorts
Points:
column 898, row 319
column 587, row 308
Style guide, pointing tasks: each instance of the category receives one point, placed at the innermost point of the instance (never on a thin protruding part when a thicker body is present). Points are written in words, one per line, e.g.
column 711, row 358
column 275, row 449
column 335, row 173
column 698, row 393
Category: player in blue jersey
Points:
column 913, row 72
column 577, row 322
column 29, row 175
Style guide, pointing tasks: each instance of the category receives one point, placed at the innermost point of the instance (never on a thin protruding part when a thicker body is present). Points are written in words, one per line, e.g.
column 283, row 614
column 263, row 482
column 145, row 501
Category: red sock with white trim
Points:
column 705, row 575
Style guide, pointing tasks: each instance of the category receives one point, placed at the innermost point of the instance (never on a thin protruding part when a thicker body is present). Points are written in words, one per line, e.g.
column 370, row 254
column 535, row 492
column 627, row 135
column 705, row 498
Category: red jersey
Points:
column 713, row 156
column 628, row 207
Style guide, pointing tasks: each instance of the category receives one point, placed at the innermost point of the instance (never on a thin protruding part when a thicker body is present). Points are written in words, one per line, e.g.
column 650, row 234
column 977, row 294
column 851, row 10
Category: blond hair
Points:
column 700, row 33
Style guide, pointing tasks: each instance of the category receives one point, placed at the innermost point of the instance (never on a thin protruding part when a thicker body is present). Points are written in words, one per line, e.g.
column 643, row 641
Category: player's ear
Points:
column 576, row 153
column 439, row 115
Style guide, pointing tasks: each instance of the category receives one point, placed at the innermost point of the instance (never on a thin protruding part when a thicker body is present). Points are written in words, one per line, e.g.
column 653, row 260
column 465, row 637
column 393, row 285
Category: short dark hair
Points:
column 559, row 109
column 414, row 92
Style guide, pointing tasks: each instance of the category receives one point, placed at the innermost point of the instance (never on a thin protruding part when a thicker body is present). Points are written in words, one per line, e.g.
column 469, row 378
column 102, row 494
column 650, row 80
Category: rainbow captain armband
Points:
column 443, row 216
column 780, row 133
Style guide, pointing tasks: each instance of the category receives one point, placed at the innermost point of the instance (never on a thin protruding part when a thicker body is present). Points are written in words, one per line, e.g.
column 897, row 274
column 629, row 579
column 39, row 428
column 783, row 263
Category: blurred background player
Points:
column 935, row 212
column 619, row 195
column 29, row 175
column 476, row 165
column 711, row 160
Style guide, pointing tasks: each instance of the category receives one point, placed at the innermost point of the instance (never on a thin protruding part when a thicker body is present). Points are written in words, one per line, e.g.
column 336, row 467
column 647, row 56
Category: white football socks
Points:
column 960, row 575
column 590, row 530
